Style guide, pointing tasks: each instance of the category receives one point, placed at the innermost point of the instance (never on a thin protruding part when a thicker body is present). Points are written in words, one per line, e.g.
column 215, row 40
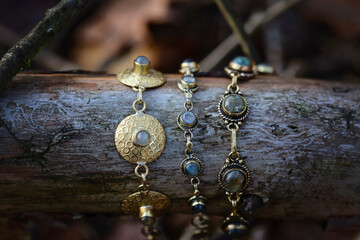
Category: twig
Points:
column 45, row 59
column 256, row 20
column 238, row 29
column 21, row 54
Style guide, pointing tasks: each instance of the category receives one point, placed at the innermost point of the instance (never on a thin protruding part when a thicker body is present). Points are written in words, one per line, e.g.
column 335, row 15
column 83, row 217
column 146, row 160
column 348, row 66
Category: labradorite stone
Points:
column 188, row 79
column 235, row 233
column 188, row 118
column 234, row 180
column 198, row 208
column 235, row 228
column 192, row 169
column 243, row 61
column 142, row 60
column 234, row 104
column 188, row 60
column 142, row 138
column 147, row 221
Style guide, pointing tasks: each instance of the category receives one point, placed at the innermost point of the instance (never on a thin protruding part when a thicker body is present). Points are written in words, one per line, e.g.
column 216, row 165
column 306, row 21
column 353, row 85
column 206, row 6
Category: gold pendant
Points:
column 140, row 138
column 132, row 203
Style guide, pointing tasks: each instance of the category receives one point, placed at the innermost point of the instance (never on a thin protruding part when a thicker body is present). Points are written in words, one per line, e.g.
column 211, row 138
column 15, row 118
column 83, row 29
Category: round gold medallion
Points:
column 133, row 202
column 140, row 138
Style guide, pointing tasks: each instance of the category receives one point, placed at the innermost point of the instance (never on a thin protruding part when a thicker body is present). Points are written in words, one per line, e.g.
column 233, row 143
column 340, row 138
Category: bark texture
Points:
column 301, row 143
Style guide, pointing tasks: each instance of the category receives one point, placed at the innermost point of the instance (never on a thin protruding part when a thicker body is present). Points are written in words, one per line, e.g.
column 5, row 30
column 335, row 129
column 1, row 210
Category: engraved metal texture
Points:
column 132, row 152
column 133, row 202
column 151, row 80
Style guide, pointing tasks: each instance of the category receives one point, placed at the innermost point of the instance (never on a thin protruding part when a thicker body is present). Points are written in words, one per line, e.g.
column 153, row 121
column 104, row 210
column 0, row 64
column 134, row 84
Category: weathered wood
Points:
column 301, row 143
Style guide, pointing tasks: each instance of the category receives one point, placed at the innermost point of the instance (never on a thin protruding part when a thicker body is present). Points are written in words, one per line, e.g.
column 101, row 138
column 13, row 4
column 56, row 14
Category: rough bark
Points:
column 301, row 143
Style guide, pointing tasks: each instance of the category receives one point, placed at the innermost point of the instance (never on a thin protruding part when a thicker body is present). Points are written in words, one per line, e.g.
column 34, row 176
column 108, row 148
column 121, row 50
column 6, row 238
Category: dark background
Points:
column 314, row 39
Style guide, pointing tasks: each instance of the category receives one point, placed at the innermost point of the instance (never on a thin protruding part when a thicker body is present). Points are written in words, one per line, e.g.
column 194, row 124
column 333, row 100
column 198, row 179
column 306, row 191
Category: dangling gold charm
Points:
column 146, row 205
column 141, row 75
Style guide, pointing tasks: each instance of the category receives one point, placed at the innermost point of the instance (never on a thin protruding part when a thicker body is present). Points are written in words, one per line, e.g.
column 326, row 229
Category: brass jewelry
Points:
column 140, row 139
column 234, row 176
column 192, row 166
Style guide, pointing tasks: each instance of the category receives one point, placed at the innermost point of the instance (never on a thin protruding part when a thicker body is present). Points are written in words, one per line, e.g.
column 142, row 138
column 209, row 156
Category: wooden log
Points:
column 301, row 143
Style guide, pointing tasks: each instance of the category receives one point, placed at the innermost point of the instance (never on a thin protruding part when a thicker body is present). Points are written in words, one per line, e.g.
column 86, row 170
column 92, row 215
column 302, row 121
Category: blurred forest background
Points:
column 315, row 39
column 312, row 39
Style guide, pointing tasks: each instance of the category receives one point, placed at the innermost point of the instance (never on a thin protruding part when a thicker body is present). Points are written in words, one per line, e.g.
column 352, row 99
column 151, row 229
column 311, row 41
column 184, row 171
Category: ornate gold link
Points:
column 188, row 106
column 231, row 126
column 139, row 90
column 139, row 102
column 233, row 87
column 188, row 152
column 195, row 181
column 233, row 141
column 188, row 71
column 150, row 232
column 189, row 145
column 136, row 89
column 200, row 221
column 144, row 189
column 188, row 95
column 141, row 165
column 234, row 200
column 234, row 154
column 188, row 133
column 234, row 81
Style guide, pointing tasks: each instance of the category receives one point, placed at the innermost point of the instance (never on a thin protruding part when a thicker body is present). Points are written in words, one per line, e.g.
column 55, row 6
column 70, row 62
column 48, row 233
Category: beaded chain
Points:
column 191, row 166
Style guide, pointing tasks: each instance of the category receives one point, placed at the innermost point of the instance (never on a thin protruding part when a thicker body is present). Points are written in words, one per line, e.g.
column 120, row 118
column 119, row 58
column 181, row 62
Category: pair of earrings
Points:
column 140, row 139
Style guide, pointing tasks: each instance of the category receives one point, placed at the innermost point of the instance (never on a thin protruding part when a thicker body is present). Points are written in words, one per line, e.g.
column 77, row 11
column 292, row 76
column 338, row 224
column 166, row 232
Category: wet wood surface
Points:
column 300, row 142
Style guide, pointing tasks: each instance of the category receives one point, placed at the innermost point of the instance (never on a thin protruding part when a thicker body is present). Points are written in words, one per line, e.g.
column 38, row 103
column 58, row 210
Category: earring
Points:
column 234, row 176
column 140, row 139
column 191, row 166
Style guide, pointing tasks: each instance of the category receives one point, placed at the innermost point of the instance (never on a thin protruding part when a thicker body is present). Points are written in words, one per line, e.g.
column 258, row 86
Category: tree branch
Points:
column 300, row 142
column 255, row 21
column 238, row 29
column 21, row 54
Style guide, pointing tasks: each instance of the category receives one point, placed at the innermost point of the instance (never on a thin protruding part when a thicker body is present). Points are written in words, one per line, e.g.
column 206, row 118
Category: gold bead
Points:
column 146, row 215
column 141, row 65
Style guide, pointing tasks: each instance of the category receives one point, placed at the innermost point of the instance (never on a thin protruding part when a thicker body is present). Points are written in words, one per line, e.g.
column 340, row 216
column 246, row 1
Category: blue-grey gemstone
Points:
column 192, row 169
column 241, row 60
column 142, row 138
column 235, row 233
column 188, row 60
column 234, row 104
column 234, row 180
column 189, row 118
column 188, row 79
column 142, row 60
column 147, row 221
column 265, row 68
column 198, row 208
